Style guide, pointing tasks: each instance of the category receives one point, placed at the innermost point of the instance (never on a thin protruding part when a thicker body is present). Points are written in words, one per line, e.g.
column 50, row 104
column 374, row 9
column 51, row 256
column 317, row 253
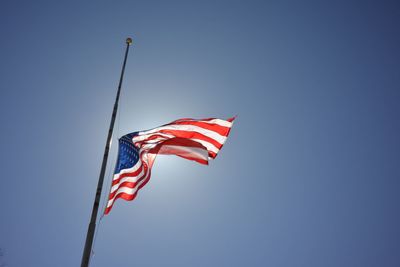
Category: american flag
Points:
column 198, row 140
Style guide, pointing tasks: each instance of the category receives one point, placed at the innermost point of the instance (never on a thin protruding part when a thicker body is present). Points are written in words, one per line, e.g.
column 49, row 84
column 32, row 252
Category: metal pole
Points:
column 92, row 224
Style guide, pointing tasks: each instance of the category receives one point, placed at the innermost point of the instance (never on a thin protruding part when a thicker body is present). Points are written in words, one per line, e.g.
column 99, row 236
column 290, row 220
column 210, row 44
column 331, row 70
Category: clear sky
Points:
column 310, row 175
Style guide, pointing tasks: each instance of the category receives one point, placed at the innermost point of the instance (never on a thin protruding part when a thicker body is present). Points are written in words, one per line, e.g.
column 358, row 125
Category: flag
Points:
column 197, row 140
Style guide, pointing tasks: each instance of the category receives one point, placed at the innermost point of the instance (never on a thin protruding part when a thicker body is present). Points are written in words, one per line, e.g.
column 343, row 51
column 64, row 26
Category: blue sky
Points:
column 308, row 177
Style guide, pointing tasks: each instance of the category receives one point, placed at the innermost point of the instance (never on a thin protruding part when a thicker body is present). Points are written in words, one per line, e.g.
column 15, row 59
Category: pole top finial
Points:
column 129, row 41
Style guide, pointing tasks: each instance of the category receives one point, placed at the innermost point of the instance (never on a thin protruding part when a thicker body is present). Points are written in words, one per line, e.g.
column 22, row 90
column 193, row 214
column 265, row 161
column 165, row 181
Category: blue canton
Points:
column 128, row 153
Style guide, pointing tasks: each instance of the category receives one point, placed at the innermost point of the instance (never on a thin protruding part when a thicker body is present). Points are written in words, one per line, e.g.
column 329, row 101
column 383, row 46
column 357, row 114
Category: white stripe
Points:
column 221, row 122
column 147, row 147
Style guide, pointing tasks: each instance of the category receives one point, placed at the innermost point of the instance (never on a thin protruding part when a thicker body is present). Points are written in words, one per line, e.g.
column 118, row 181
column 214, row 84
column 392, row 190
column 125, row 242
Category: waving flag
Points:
column 197, row 140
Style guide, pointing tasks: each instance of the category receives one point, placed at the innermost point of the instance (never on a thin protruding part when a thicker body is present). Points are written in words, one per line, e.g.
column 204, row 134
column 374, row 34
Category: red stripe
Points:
column 232, row 119
column 201, row 161
column 212, row 154
column 123, row 196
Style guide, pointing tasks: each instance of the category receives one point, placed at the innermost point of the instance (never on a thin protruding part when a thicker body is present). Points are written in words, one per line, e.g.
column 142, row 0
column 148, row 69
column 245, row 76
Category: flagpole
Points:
column 92, row 224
